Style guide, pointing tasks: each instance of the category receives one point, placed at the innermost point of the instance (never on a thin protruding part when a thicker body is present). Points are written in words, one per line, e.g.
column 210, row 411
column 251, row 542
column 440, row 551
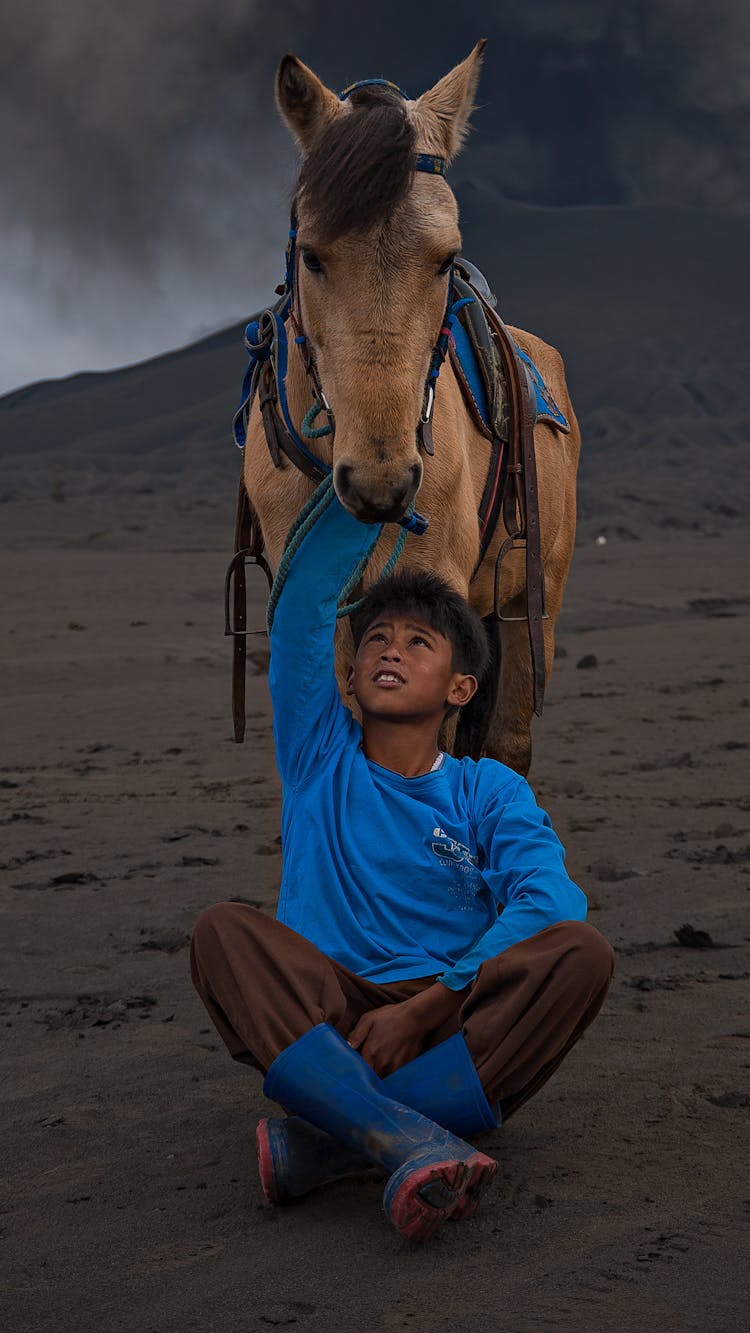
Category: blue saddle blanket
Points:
column 541, row 396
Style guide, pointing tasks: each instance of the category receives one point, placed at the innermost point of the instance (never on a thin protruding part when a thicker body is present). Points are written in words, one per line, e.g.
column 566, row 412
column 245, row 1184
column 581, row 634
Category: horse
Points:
column 375, row 237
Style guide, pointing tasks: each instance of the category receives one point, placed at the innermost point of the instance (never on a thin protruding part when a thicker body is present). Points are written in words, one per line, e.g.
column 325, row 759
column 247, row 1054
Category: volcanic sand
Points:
column 132, row 1200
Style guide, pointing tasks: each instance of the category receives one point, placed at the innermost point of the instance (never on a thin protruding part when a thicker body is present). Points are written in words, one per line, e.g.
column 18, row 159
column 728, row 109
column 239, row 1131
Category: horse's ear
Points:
column 305, row 103
column 443, row 111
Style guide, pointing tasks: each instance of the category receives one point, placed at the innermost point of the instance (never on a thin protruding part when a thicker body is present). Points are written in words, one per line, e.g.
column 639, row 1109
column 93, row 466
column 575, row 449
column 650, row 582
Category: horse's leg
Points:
column 509, row 734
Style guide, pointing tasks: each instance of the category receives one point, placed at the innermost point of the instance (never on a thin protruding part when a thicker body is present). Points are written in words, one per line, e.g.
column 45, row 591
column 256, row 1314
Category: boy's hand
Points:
column 391, row 1036
column 388, row 1037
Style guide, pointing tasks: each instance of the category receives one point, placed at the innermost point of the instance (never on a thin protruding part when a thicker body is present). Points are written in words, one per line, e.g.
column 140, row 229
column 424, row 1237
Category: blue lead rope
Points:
column 307, row 517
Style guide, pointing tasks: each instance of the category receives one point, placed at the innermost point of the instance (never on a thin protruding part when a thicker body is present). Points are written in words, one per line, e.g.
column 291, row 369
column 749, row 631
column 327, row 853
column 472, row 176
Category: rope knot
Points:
column 258, row 344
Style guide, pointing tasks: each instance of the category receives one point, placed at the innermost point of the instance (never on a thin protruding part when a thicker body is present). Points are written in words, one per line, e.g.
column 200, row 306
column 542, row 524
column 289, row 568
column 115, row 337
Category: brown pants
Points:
column 264, row 986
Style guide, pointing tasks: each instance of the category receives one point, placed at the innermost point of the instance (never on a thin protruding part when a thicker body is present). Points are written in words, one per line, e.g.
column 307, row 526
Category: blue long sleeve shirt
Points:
column 394, row 877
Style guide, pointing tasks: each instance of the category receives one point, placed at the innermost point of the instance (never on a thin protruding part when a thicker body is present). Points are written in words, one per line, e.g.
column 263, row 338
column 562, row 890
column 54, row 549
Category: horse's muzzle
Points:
column 373, row 498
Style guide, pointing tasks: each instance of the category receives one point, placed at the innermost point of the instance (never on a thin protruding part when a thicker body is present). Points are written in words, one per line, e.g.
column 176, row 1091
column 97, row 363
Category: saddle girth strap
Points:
column 521, row 503
column 491, row 498
column 490, row 364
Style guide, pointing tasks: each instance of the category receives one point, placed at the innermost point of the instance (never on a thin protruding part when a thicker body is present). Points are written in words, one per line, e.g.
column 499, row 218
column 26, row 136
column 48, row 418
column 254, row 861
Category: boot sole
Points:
column 469, row 1200
column 419, row 1204
column 265, row 1163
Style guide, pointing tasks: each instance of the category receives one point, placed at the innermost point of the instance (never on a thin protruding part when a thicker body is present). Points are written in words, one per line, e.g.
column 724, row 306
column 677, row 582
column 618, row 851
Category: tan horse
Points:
column 375, row 242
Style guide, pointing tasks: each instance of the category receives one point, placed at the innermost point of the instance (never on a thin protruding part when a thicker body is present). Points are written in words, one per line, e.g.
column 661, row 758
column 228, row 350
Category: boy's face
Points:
column 404, row 670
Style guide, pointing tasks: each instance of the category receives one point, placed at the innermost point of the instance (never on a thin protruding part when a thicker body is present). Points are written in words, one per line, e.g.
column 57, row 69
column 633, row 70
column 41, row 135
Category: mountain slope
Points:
column 648, row 306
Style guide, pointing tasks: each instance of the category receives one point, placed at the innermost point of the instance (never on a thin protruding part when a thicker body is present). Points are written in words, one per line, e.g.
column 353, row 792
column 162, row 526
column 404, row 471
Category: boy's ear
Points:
column 350, row 681
column 461, row 691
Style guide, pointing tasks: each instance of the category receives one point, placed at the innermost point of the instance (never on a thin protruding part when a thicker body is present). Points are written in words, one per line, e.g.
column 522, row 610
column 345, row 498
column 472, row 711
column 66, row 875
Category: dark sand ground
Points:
column 131, row 1200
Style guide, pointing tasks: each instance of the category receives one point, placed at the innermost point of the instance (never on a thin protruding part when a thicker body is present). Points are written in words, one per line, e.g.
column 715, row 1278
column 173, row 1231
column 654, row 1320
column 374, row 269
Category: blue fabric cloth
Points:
column 543, row 404
column 393, row 877
column 467, row 357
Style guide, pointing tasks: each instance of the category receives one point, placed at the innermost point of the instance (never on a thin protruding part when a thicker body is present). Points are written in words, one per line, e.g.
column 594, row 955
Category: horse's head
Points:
column 375, row 243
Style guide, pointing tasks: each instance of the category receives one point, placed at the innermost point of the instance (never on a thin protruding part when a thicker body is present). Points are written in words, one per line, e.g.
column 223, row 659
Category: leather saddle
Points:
column 481, row 371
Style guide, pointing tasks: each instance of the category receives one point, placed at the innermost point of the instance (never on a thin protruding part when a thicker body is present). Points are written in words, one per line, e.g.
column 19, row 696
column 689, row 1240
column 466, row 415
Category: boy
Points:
column 389, row 1006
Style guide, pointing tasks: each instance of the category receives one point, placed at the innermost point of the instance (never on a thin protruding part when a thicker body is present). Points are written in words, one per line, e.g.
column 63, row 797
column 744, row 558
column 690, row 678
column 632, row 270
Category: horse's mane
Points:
column 361, row 165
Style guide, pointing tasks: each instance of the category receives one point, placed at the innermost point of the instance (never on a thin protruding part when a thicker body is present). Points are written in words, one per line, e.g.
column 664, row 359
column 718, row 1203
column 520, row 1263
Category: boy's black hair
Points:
column 419, row 593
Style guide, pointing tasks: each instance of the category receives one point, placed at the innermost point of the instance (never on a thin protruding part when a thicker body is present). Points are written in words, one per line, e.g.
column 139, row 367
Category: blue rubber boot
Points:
column 433, row 1174
column 442, row 1084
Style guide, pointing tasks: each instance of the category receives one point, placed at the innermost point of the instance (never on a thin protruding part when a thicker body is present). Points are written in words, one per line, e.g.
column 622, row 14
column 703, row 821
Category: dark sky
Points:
column 145, row 174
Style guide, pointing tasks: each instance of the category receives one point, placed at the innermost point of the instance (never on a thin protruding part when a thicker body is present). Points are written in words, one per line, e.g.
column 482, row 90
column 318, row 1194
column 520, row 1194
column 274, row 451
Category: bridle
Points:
column 267, row 344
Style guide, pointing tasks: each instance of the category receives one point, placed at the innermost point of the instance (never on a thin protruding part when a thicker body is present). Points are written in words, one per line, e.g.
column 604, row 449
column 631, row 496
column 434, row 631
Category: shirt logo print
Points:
column 449, row 852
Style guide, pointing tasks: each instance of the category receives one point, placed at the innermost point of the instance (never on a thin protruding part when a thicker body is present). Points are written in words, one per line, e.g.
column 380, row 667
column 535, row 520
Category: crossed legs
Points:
column 264, row 986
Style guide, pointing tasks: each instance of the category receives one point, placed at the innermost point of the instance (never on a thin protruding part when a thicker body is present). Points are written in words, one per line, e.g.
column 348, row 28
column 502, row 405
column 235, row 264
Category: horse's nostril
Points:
column 343, row 477
column 376, row 499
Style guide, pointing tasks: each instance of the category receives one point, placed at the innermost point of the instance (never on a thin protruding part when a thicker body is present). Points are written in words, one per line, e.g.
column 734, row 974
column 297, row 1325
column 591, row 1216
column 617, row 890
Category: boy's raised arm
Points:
column 307, row 709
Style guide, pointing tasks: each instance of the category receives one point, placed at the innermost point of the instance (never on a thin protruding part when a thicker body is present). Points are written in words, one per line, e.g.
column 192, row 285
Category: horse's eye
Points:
column 446, row 264
column 311, row 261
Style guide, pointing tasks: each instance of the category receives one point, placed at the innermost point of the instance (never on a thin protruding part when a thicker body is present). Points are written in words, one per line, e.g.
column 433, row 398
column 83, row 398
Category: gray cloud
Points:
column 659, row 90
column 139, row 206
column 117, row 119
column 699, row 53
column 145, row 174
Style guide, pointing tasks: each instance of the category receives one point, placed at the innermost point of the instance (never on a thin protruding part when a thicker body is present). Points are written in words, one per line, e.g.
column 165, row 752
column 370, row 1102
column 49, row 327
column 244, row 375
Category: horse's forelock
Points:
column 361, row 166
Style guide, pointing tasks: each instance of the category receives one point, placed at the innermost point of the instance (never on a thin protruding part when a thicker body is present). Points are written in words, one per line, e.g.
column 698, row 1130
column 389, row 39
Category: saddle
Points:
column 481, row 370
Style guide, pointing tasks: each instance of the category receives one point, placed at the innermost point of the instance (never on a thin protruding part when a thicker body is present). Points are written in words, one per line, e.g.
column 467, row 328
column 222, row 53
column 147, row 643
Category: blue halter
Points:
column 266, row 338
column 434, row 166
column 373, row 83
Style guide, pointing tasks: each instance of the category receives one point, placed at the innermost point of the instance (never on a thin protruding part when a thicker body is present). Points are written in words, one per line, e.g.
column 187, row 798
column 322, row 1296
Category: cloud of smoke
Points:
column 659, row 89
column 145, row 172
column 101, row 105
column 140, row 205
